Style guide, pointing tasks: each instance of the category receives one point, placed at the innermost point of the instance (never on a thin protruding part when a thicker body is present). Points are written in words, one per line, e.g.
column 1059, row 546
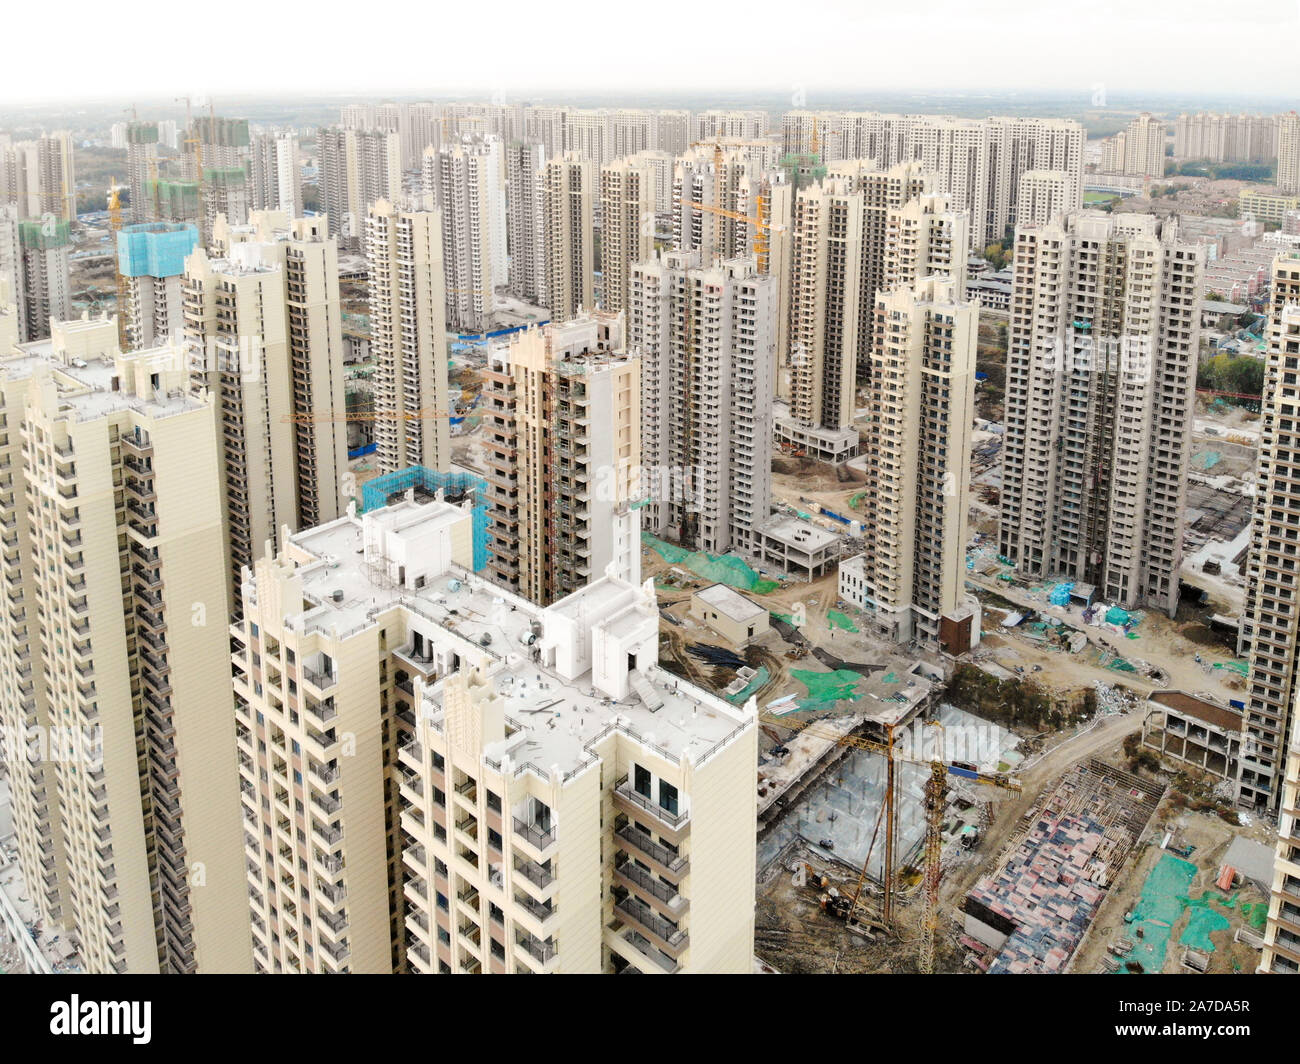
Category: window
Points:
column 668, row 797
column 641, row 780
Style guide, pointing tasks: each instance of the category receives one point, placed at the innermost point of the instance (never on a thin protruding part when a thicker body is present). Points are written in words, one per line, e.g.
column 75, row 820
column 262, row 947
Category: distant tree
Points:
column 996, row 253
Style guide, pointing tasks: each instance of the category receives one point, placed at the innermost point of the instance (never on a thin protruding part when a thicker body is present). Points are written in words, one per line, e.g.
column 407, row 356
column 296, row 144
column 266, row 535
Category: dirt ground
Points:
column 1211, row 836
column 1172, row 645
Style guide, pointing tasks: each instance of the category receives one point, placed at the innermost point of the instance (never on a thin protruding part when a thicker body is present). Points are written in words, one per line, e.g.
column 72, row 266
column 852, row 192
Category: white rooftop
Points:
column 730, row 602
column 554, row 719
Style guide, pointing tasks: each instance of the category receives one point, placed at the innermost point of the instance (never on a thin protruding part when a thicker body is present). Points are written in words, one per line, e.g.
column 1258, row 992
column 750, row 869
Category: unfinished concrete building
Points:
column 1101, row 377
column 1270, row 631
column 1200, row 733
column 563, row 440
column 141, row 168
column 45, row 285
column 151, row 261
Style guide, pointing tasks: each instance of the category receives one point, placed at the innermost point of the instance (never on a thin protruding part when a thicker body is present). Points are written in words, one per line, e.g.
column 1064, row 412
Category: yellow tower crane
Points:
column 115, row 226
column 935, row 794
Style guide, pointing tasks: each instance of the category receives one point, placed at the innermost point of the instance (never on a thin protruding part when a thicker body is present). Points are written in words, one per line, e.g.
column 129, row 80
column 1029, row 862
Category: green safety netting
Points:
column 726, row 569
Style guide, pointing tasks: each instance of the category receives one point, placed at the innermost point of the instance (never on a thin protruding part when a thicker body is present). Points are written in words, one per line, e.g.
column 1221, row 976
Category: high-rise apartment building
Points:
column 1271, row 760
column 58, row 177
column 662, row 166
column 408, row 337
column 1139, row 149
column 563, row 413
column 526, row 222
column 39, row 177
column 567, row 188
column 921, row 397
column 731, row 125
column 151, row 260
column 674, row 133
column 46, row 288
column 11, row 272
column 466, row 178
column 824, row 316
column 713, row 191
column 443, row 828
column 908, row 232
column 1242, row 138
column 1044, row 194
column 275, row 174
column 264, row 328
column 114, row 647
column 1288, row 153
column 623, row 848
column 1101, row 378
column 358, row 167
column 627, row 221
column 1270, row 630
column 705, row 335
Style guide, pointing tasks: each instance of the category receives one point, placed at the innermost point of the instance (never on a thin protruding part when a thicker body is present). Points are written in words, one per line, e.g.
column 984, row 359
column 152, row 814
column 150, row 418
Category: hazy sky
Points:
column 401, row 46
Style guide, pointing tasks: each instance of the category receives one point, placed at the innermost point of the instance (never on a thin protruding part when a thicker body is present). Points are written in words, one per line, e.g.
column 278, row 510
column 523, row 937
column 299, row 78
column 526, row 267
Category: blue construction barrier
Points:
column 470, row 337
column 358, row 452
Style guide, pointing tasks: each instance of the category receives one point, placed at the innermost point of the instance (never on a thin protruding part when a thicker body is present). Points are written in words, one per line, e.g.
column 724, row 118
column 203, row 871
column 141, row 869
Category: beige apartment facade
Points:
column 921, row 397
column 520, row 846
column 408, row 337
column 126, row 836
column 567, row 186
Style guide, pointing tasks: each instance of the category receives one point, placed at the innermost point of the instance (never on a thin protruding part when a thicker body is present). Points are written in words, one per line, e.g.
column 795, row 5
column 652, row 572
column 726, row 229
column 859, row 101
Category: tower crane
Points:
column 115, row 226
column 935, row 794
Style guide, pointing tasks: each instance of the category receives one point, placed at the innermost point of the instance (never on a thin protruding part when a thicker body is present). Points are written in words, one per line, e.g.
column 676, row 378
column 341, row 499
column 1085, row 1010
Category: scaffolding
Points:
column 175, row 201
column 381, row 490
column 44, row 235
column 155, row 249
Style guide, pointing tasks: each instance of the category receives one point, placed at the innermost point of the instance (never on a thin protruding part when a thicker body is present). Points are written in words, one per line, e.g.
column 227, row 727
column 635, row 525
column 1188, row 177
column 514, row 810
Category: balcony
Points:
column 542, row 951
column 662, row 860
column 541, row 911
column 322, row 681
column 539, row 875
column 660, row 895
column 538, row 838
column 673, row 825
column 666, row 935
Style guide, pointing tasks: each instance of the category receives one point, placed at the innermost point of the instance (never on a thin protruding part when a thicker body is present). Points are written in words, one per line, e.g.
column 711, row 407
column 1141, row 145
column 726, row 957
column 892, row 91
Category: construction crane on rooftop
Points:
column 935, row 794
